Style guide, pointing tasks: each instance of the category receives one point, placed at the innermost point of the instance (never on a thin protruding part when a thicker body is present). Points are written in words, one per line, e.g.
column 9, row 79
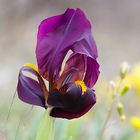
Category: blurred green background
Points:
column 116, row 28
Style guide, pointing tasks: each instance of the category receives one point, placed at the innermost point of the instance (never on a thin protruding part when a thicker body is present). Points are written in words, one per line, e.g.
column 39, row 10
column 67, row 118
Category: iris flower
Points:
column 69, row 94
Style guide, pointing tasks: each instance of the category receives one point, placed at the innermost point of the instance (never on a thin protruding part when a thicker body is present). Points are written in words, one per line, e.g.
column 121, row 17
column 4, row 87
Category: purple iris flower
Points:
column 69, row 94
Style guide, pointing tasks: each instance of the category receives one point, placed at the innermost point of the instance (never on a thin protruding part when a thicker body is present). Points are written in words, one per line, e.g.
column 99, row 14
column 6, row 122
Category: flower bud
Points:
column 124, row 90
column 123, row 117
column 120, row 111
column 124, row 70
column 112, row 84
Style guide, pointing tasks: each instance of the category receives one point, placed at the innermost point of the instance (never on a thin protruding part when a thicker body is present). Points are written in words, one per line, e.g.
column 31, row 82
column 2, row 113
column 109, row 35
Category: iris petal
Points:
column 65, row 100
column 75, row 68
column 29, row 90
column 92, row 72
column 50, row 35
column 79, row 108
column 57, row 35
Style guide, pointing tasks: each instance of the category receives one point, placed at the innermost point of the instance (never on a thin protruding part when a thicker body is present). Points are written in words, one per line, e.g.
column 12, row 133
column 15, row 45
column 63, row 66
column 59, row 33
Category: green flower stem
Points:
column 46, row 127
column 106, row 121
column 115, row 96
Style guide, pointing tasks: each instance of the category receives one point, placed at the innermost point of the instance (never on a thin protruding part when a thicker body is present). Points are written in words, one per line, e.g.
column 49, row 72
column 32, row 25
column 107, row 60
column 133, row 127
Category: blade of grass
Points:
column 22, row 121
column 9, row 111
column 46, row 127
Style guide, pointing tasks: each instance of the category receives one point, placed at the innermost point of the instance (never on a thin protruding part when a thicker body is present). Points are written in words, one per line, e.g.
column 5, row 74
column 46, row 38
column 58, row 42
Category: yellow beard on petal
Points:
column 34, row 67
column 82, row 85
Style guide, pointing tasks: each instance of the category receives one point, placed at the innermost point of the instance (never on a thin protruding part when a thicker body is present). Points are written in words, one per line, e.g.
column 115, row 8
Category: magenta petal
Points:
column 50, row 35
column 75, row 68
column 92, row 72
column 67, row 99
column 29, row 90
column 86, row 45
column 82, row 106
column 59, row 34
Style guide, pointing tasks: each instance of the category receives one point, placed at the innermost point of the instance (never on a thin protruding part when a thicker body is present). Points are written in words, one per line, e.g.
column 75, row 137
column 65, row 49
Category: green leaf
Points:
column 70, row 138
column 46, row 128
column 72, row 129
